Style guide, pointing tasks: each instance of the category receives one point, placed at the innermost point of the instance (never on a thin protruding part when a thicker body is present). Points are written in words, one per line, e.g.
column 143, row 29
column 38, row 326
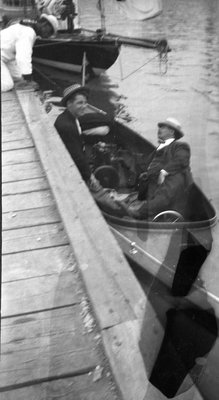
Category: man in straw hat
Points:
column 69, row 129
column 17, row 41
column 164, row 185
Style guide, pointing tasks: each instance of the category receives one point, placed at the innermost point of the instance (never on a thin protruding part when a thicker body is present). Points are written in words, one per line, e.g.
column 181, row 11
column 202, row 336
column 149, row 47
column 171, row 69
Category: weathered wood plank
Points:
column 121, row 344
column 8, row 96
column 15, row 132
column 54, row 260
column 32, row 217
column 40, row 293
column 19, row 156
column 31, row 170
column 76, row 388
column 37, row 237
column 25, row 201
column 25, row 186
column 8, row 105
column 17, row 144
column 45, row 345
column 15, row 116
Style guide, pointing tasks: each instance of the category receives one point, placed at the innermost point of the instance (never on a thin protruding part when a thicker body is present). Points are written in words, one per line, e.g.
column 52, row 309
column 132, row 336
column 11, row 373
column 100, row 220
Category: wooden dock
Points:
column 72, row 309
column 69, row 297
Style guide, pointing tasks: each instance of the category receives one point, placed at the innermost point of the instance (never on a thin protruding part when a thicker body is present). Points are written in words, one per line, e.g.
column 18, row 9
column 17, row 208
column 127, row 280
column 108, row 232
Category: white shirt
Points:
column 78, row 126
column 166, row 143
column 17, row 43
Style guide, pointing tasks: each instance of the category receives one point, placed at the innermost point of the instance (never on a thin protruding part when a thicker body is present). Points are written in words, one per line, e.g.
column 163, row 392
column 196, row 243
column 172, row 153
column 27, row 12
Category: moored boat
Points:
column 158, row 245
column 76, row 50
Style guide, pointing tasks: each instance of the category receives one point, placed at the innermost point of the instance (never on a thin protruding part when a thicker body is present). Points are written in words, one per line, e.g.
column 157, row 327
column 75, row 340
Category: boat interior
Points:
column 118, row 158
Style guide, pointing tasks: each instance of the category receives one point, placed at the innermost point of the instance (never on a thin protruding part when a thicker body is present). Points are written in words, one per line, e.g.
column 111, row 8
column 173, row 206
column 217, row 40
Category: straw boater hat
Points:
column 73, row 89
column 173, row 124
column 52, row 21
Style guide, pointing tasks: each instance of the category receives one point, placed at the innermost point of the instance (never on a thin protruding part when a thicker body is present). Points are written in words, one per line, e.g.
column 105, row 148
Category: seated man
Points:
column 69, row 129
column 164, row 185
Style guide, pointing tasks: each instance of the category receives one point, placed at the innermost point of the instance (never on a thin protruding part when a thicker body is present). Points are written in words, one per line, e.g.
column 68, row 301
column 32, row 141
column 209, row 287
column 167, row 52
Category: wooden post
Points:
column 84, row 69
column 102, row 15
column 120, row 65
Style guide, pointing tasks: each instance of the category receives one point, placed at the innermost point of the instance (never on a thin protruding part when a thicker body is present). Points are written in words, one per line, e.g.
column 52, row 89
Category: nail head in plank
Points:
column 32, row 217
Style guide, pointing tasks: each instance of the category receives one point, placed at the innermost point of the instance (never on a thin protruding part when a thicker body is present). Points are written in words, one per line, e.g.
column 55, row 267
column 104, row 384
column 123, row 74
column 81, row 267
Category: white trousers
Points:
column 9, row 73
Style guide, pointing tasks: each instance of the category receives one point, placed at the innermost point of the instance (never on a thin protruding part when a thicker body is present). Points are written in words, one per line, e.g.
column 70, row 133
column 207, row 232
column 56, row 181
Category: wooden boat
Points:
column 80, row 51
column 117, row 166
column 157, row 246
column 69, row 52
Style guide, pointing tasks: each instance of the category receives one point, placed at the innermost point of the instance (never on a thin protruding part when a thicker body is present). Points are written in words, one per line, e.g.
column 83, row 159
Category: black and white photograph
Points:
column 110, row 200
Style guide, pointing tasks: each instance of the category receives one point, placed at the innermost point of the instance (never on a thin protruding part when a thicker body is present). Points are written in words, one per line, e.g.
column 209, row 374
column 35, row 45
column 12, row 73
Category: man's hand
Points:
column 162, row 176
column 94, row 184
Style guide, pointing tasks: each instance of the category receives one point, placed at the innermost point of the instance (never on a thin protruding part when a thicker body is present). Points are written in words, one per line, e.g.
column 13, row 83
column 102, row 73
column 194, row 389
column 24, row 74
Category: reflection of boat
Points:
column 80, row 51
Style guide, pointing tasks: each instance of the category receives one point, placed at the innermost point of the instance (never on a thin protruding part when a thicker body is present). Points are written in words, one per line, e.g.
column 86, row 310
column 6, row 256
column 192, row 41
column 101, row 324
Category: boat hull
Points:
column 67, row 53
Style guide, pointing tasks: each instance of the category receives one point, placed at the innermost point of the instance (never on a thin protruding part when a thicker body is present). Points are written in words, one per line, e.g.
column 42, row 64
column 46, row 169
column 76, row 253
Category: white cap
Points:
column 52, row 20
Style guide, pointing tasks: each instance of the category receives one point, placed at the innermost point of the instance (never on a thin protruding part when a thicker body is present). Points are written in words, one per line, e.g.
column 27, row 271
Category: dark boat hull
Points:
column 66, row 53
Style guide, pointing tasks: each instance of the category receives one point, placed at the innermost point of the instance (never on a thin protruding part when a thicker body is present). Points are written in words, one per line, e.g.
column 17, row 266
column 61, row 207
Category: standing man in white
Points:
column 17, row 43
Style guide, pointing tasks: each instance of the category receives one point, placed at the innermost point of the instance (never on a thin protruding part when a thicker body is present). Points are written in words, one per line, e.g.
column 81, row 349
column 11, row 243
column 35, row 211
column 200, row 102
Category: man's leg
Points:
column 15, row 71
column 7, row 82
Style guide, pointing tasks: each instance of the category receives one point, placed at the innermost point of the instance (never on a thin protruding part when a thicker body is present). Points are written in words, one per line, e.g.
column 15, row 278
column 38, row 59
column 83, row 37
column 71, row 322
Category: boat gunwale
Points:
column 129, row 222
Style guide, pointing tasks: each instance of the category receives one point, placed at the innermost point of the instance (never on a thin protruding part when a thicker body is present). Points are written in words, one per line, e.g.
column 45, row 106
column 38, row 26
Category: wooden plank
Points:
column 122, row 298
column 15, row 116
column 25, row 186
column 8, row 96
column 54, row 260
column 15, row 132
column 17, row 144
column 31, row 170
column 32, row 217
column 19, row 156
column 25, row 201
column 80, row 387
column 40, row 293
column 37, row 237
column 9, row 104
column 121, row 344
column 45, row 345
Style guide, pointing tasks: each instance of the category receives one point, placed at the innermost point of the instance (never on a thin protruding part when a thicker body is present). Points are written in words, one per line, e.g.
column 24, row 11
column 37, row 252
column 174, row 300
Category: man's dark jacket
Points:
column 68, row 131
column 174, row 159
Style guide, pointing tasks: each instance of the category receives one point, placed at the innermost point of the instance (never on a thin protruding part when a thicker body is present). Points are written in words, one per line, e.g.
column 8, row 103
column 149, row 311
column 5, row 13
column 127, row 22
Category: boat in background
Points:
column 76, row 50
